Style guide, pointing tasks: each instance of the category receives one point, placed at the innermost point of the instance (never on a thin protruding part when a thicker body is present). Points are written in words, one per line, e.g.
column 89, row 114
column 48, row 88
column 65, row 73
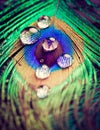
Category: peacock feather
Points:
column 73, row 102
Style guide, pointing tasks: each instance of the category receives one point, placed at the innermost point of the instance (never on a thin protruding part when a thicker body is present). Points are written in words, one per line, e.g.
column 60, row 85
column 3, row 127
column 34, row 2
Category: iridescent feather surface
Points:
column 50, row 65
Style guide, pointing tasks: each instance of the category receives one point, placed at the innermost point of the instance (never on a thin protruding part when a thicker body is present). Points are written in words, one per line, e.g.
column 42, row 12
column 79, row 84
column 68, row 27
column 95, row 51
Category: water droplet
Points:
column 41, row 60
column 43, row 72
column 43, row 91
column 50, row 44
column 29, row 35
column 64, row 61
column 43, row 22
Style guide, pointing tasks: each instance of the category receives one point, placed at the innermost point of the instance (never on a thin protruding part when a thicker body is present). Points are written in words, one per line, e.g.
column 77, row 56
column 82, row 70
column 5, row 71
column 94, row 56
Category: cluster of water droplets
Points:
column 31, row 35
